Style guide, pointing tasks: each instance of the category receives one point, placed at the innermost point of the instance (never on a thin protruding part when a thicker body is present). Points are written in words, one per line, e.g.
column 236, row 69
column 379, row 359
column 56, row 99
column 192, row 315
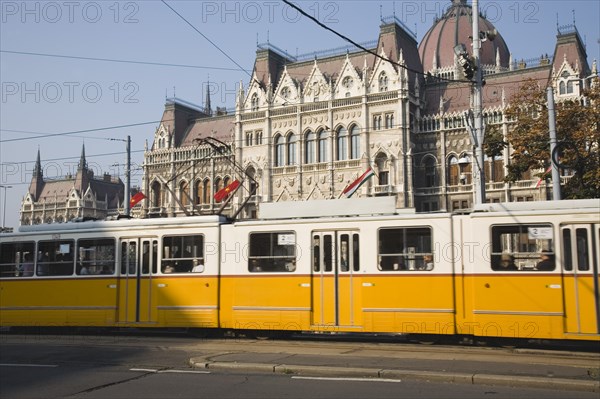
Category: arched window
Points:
column 309, row 147
column 226, row 181
column 383, row 82
column 279, row 150
column 430, row 172
column 562, row 88
column 453, row 171
column 354, row 142
column 254, row 102
column 156, row 194
column 342, row 144
column 218, row 184
column 322, row 142
column 199, row 192
column 291, row 149
column 251, row 172
column 206, row 192
column 381, row 161
column 183, row 193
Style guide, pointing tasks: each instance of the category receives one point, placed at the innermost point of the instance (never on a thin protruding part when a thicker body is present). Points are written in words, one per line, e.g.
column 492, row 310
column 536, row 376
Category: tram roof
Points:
column 561, row 206
column 123, row 224
column 369, row 206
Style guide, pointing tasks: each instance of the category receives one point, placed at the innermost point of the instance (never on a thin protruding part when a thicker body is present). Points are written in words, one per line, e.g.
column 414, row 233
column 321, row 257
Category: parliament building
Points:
column 305, row 127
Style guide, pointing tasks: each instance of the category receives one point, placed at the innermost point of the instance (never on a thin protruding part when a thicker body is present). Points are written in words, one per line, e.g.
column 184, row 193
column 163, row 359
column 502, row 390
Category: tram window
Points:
column 16, row 259
column 355, row 253
column 55, row 258
column 316, row 250
column 183, row 254
column 524, row 244
column 344, row 253
column 582, row 250
column 95, row 256
column 567, row 250
column 272, row 252
column 327, row 253
column 405, row 249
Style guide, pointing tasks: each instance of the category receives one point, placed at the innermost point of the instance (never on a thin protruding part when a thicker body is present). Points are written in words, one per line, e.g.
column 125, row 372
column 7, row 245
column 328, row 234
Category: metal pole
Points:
column 128, row 177
column 4, row 212
column 478, row 161
column 552, row 131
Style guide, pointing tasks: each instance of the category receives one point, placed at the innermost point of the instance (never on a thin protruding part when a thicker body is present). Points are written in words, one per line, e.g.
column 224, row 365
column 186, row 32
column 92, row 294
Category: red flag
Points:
column 543, row 176
column 224, row 192
column 136, row 198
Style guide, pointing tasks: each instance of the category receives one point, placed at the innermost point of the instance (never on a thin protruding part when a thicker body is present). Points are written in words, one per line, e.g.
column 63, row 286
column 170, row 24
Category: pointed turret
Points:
column 37, row 179
column 82, row 161
column 207, row 106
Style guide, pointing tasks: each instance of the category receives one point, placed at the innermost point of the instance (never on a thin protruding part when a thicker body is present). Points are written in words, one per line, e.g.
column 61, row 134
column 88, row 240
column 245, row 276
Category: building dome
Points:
column 456, row 26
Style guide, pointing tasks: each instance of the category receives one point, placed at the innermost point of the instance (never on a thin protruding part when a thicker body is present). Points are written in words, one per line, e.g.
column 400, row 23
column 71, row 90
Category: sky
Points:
column 101, row 70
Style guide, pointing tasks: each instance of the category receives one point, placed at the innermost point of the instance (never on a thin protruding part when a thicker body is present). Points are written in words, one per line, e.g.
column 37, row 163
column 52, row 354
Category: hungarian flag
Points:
column 224, row 192
column 136, row 198
column 543, row 176
column 351, row 189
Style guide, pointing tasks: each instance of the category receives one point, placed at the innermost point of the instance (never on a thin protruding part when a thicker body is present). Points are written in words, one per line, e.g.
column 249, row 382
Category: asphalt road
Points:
column 126, row 366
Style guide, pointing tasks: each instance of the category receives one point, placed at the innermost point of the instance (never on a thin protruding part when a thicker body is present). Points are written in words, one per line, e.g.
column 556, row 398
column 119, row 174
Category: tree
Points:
column 577, row 132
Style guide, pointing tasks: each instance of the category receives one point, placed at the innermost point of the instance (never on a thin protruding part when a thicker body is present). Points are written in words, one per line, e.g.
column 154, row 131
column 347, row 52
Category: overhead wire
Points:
column 74, row 57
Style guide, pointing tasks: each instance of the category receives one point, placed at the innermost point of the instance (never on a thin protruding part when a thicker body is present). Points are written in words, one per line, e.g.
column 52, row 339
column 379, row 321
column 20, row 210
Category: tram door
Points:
column 138, row 264
column 335, row 261
column 580, row 264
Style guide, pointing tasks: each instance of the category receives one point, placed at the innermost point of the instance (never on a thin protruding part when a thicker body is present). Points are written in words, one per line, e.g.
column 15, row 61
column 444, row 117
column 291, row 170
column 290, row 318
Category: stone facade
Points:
column 304, row 128
column 75, row 196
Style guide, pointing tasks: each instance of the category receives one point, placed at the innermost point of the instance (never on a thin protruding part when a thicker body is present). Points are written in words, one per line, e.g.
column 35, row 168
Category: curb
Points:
column 460, row 378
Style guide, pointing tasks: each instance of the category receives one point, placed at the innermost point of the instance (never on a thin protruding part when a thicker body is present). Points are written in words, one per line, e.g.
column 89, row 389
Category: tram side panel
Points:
column 265, row 283
column 527, row 299
column 184, row 287
column 408, row 284
column 57, row 280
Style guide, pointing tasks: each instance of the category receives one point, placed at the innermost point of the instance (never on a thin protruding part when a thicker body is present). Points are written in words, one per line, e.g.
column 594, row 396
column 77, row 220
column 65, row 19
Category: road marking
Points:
column 26, row 365
column 171, row 371
column 185, row 371
column 346, row 379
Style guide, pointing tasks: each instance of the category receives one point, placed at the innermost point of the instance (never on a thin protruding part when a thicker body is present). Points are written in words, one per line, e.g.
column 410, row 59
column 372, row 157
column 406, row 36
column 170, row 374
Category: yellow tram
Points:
column 355, row 265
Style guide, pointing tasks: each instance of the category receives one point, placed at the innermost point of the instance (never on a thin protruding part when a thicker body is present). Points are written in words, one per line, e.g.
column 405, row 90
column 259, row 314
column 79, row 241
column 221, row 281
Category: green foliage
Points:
column 577, row 124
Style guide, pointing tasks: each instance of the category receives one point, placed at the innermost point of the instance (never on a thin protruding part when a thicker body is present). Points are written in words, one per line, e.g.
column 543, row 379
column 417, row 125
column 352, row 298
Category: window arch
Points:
column 310, row 140
column 342, row 144
column 199, row 192
column 322, row 143
column 183, row 193
column 291, row 149
column 354, row 142
column 383, row 81
column 562, row 88
column 453, row 171
column 156, row 194
column 254, row 102
column 430, row 172
column 279, row 150
column 218, row 184
column 381, row 161
column 251, row 172
column 206, row 192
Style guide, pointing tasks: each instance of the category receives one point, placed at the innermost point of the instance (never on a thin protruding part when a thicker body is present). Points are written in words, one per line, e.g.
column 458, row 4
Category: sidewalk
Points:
column 570, row 371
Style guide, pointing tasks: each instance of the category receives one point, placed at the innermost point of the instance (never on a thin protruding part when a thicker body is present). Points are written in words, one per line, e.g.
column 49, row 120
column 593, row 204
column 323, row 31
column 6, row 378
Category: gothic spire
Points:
column 207, row 106
column 82, row 162
column 37, row 169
